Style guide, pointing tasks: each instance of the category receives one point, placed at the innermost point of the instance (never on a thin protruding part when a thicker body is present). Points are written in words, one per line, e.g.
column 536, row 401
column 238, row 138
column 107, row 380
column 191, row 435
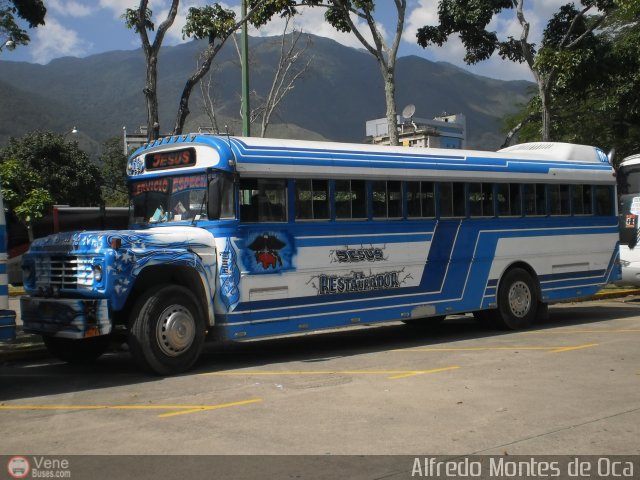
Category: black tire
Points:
column 167, row 330
column 517, row 300
column 82, row 350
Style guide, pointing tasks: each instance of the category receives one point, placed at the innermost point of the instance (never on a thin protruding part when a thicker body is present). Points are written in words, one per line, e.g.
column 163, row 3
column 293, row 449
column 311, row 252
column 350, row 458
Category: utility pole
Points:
column 244, row 47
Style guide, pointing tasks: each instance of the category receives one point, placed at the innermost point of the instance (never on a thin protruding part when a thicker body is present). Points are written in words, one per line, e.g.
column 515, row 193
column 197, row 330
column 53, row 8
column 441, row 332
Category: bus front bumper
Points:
column 65, row 317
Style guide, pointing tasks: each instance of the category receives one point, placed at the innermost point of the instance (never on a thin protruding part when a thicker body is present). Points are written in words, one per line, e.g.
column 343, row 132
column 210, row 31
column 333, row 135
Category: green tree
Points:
column 139, row 19
column 23, row 193
column 216, row 25
column 114, row 173
column 32, row 11
column 600, row 84
column 61, row 168
column 340, row 14
column 569, row 30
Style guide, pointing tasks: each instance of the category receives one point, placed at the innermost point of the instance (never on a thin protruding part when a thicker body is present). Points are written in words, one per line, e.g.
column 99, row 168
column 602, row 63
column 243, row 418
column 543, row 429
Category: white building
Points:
column 446, row 131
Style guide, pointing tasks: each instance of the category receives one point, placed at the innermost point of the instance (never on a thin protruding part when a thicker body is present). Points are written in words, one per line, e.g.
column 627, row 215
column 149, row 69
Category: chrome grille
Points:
column 64, row 272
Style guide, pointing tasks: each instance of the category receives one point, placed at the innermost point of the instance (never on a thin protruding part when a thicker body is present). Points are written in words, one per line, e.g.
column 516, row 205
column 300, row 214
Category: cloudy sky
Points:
column 86, row 27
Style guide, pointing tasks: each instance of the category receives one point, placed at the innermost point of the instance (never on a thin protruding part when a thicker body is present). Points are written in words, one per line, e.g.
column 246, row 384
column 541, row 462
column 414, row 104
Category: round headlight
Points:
column 97, row 273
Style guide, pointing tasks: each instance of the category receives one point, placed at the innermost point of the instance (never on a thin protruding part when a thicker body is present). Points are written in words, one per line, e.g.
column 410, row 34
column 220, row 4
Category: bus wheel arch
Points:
column 152, row 276
column 518, row 297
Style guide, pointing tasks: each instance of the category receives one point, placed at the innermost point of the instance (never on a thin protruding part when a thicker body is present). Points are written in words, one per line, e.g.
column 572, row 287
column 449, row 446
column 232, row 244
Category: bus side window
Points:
column 420, row 200
column 535, row 199
column 480, row 199
column 604, row 205
column 508, row 196
column 387, row 199
column 582, row 200
column 452, row 199
column 351, row 199
column 262, row 200
column 312, row 199
column 304, row 196
column 559, row 199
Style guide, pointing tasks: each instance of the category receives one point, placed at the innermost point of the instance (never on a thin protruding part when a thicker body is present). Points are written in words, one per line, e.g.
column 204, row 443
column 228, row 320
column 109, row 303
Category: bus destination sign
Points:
column 173, row 159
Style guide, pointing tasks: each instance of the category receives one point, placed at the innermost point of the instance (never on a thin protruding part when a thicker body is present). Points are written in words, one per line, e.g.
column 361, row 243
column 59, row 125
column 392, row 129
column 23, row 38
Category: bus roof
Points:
column 630, row 160
column 266, row 157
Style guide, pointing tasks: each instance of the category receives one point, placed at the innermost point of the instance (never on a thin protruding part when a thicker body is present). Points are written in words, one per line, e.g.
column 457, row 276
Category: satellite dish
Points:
column 409, row 110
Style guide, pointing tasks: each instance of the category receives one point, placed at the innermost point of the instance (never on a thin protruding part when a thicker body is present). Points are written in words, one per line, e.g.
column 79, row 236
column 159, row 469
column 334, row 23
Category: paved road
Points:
column 571, row 386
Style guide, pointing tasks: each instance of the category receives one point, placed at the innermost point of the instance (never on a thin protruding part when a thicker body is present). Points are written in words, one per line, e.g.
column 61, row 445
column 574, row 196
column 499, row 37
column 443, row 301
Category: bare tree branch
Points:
column 209, row 100
column 284, row 80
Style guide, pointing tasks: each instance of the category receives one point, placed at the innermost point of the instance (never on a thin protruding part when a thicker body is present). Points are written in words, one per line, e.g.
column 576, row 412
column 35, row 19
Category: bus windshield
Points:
column 181, row 198
column 629, row 179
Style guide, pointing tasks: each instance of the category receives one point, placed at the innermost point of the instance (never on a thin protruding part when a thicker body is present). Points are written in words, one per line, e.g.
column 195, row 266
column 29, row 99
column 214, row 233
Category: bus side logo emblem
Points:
column 266, row 249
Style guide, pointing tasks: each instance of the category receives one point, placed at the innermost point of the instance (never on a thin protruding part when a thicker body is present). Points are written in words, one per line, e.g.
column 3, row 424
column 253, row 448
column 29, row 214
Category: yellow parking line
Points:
column 182, row 409
column 394, row 373
column 211, row 407
column 576, row 347
column 564, row 348
column 558, row 331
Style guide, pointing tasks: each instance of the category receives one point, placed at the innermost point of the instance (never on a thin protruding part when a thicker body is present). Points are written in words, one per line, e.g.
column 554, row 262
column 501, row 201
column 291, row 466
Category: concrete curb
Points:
column 24, row 347
column 602, row 295
column 34, row 352
column 30, row 347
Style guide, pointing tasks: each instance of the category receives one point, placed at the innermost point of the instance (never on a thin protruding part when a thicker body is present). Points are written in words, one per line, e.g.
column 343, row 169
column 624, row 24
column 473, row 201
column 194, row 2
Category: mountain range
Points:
column 338, row 93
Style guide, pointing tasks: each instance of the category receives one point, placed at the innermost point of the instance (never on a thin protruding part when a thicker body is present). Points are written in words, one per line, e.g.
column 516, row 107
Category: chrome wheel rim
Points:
column 519, row 299
column 176, row 330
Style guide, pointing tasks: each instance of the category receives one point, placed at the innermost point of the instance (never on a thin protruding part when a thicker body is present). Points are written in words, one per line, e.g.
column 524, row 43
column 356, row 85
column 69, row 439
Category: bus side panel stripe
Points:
column 447, row 274
column 439, row 256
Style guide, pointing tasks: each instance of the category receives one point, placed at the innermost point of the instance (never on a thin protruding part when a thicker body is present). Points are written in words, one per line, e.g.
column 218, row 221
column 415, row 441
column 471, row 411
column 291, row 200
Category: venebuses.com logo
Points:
column 38, row 467
column 18, row 467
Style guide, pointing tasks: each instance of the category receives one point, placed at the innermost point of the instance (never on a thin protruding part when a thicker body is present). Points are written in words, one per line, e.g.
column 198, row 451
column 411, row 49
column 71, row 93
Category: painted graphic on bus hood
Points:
column 229, row 274
column 120, row 256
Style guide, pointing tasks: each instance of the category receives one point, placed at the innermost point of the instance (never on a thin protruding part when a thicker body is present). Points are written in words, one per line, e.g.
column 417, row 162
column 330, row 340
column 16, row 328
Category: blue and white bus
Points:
column 240, row 238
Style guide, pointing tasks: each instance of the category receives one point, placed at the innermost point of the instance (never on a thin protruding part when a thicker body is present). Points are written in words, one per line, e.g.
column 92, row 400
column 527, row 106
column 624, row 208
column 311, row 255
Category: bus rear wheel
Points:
column 167, row 330
column 517, row 300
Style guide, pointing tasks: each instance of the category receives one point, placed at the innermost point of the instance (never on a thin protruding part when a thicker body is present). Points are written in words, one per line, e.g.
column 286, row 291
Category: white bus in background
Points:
column 629, row 210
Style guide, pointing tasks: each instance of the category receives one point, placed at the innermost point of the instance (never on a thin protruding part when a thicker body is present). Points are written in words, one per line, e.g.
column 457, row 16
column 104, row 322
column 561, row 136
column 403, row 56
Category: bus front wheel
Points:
column 517, row 300
column 167, row 330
